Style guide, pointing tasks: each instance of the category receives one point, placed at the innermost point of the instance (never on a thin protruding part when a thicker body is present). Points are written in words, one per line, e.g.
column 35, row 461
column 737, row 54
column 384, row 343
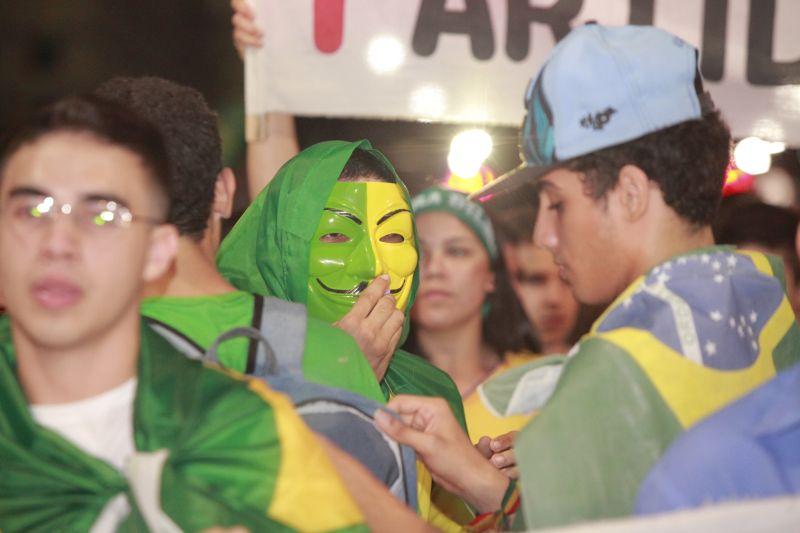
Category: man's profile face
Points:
column 365, row 230
column 546, row 298
column 585, row 237
column 69, row 277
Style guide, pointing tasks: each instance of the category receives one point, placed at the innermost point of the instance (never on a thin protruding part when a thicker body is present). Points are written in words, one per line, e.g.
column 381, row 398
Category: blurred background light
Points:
column 469, row 149
column 428, row 102
column 752, row 155
column 385, row 54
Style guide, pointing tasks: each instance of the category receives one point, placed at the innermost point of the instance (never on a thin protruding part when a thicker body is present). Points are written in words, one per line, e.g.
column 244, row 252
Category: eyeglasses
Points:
column 30, row 212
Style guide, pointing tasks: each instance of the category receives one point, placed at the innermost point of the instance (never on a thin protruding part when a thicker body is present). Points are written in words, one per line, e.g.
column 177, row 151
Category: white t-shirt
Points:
column 101, row 426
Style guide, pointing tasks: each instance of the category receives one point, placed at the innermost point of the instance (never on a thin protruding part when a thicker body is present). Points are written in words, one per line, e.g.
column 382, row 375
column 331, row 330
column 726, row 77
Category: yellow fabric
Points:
column 481, row 418
column 398, row 259
column 427, row 510
column 306, row 476
column 694, row 391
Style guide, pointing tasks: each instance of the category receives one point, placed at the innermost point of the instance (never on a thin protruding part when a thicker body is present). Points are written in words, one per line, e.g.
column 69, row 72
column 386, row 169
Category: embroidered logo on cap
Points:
column 598, row 120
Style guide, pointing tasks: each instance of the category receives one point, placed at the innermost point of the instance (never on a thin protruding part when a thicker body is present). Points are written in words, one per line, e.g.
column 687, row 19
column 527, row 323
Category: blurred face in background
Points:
column 455, row 273
column 546, row 298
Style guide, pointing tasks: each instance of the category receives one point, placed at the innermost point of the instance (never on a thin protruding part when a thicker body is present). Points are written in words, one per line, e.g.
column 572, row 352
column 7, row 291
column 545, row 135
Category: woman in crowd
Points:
column 465, row 319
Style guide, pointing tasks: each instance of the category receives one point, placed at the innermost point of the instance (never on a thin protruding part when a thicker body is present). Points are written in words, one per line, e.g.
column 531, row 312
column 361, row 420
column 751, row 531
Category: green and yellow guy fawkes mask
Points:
column 365, row 230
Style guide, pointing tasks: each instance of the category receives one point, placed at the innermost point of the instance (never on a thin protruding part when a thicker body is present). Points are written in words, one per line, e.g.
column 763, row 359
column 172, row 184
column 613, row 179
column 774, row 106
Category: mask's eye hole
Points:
column 334, row 238
column 394, row 238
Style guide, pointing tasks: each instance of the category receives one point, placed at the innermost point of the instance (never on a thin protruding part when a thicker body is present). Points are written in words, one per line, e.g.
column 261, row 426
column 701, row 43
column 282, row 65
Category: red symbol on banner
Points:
column 328, row 25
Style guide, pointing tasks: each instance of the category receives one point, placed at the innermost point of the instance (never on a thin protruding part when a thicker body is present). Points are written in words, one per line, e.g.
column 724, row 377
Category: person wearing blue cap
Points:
column 627, row 155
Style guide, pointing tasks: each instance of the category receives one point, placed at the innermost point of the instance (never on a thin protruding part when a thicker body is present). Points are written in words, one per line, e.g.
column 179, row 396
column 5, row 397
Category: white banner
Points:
column 470, row 60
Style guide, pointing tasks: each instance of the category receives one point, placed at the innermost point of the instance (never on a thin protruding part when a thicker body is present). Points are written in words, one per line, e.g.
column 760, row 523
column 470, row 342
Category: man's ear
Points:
column 224, row 191
column 633, row 192
column 161, row 252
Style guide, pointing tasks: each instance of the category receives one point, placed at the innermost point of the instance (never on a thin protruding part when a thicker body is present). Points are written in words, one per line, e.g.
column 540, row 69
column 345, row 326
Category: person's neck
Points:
column 460, row 352
column 555, row 347
column 193, row 273
column 675, row 239
column 101, row 363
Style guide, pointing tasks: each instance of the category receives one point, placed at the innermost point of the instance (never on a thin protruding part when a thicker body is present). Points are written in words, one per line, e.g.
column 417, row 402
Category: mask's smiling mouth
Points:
column 358, row 289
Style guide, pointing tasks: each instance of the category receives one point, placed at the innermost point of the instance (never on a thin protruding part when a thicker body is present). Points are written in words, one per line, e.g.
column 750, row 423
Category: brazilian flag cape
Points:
column 267, row 252
column 692, row 335
column 330, row 357
column 211, row 450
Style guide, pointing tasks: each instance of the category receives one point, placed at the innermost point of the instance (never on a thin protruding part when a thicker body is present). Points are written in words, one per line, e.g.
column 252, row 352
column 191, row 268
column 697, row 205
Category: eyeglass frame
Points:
column 53, row 209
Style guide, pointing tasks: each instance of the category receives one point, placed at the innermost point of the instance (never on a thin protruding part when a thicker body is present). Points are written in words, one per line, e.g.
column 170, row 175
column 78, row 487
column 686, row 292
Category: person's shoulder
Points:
column 421, row 377
column 419, row 367
column 324, row 334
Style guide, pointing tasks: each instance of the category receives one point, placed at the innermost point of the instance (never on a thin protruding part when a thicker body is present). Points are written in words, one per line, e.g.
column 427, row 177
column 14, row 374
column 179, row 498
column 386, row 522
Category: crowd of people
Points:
column 608, row 360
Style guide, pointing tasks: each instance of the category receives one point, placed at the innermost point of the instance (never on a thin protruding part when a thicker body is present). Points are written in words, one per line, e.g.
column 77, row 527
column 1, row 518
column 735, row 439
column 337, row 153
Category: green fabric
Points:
column 223, row 463
column 331, row 357
column 459, row 205
column 414, row 375
column 585, row 454
column 267, row 251
column 499, row 390
column 785, row 353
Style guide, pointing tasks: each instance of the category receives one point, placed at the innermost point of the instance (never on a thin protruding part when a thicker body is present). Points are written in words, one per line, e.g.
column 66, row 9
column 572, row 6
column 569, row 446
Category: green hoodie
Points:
column 267, row 252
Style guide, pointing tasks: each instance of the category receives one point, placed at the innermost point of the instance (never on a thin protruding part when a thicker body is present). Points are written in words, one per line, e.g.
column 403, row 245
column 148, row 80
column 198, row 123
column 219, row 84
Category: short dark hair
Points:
column 106, row 121
column 687, row 161
column 191, row 135
column 363, row 164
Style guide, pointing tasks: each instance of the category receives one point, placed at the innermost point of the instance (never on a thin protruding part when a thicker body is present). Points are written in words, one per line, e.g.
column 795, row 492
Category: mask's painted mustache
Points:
column 358, row 289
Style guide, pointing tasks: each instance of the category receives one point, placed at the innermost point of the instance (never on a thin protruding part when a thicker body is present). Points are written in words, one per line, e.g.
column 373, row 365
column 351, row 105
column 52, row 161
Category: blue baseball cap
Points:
column 603, row 86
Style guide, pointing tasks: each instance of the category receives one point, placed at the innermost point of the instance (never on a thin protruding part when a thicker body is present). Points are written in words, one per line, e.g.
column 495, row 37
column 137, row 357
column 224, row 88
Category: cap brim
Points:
column 522, row 177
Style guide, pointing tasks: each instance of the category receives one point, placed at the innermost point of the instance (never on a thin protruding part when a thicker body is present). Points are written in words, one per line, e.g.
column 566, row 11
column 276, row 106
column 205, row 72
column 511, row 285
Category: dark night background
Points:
column 49, row 49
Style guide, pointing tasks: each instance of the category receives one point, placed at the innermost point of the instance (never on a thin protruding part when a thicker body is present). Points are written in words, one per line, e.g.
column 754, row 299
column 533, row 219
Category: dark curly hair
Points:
column 191, row 135
column 107, row 121
column 686, row 160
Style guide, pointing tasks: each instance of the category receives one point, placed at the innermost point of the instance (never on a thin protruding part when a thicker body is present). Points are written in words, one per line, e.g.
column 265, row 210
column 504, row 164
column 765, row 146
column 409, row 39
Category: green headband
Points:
column 457, row 204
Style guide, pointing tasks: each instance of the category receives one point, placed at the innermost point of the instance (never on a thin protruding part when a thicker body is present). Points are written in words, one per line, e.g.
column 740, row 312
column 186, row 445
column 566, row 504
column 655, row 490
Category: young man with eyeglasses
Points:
column 103, row 425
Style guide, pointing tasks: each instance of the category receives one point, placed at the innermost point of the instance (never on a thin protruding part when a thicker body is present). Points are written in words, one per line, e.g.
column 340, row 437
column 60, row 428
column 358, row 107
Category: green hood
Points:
column 267, row 251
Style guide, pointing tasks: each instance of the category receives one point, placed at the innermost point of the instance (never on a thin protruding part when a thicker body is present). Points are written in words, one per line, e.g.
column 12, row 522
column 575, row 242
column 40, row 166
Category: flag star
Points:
column 742, row 320
column 753, row 317
column 731, row 261
column 715, row 315
column 711, row 348
column 681, row 260
column 705, row 258
column 668, row 264
column 754, row 344
column 749, row 331
column 740, row 329
column 719, row 278
column 716, row 265
column 626, row 303
column 663, row 278
column 732, row 322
